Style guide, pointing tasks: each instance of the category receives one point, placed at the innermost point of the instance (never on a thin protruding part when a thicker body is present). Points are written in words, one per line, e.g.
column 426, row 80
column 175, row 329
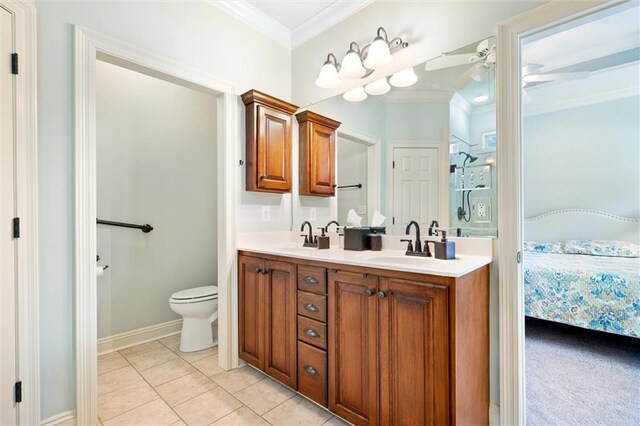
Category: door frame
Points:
column 88, row 44
column 26, row 152
column 373, row 167
column 510, row 191
column 442, row 151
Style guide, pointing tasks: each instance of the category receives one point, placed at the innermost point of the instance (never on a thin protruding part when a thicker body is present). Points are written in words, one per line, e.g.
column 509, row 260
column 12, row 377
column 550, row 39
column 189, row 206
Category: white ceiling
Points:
column 291, row 22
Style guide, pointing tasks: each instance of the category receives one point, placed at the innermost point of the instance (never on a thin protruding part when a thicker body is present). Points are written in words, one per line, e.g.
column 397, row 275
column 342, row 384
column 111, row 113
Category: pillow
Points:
column 601, row 248
column 537, row 247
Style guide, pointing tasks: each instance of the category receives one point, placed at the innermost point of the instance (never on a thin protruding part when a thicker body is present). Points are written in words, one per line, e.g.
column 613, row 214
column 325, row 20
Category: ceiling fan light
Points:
column 378, row 54
column 328, row 77
column 404, row 78
column 351, row 66
column 355, row 95
column 481, row 98
column 378, row 87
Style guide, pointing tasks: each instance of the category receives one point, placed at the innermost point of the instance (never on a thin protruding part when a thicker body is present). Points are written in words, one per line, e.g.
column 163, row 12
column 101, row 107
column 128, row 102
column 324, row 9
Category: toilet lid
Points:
column 195, row 293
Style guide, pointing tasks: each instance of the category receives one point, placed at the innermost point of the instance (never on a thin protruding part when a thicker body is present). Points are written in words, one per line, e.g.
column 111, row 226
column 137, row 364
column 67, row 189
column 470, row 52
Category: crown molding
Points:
column 418, row 96
column 326, row 19
column 461, row 103
column 256, row 19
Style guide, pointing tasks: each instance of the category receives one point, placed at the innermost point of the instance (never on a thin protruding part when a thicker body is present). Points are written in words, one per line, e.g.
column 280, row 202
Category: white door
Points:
column 8, row 411
column 415, row 187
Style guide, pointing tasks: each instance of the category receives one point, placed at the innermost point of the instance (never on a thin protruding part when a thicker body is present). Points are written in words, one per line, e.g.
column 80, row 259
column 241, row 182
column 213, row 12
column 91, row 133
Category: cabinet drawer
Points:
column 312, row 279
column 312, row 331
column 312, row 373
column 312, row 306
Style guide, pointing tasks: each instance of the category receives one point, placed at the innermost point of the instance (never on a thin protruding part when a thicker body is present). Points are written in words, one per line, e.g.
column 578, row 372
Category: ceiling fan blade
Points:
column 465, row 78
column 566, row 76
column 531, row 69
column 448, row 61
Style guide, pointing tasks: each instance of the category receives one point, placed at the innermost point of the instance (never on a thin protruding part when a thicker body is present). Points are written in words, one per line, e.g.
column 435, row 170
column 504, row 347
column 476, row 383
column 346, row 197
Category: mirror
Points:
column 424, row 152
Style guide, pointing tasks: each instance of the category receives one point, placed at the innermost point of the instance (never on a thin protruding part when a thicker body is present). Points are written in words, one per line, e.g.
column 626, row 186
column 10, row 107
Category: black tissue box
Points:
column 358, row 238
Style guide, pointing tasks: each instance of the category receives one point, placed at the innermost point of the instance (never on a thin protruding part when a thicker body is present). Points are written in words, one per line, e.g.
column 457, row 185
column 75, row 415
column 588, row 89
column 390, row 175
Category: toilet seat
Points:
column 195, row 295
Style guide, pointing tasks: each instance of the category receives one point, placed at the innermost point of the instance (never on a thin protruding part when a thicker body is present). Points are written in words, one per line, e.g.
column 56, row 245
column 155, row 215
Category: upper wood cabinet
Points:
column 317, row 154
column 268, row 153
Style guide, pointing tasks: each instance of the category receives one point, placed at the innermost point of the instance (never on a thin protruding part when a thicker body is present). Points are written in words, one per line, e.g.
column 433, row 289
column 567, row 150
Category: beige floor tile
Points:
column 243, row 416
column 167, row 371
column 154, row 413
column 195, row 356
column 185, row 388
column 208, row 407
column 172, row 342
column 208, row 366
column 234, row 380
column 148, row 355
column 264, row 395
column 114, row 403
column 110, row 362
column 336, row 421
column 116, row 379
column 180, row 423
column 297, row 411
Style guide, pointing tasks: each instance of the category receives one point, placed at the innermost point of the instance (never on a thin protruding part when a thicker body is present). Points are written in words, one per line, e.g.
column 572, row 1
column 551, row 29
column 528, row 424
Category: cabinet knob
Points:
column 311, row 280
column 311, row 332
column 369, row 292
column 258, row 270
column 311, row 371
column 265, row 271
column 382, row 295
column 263, row 177
column 310, row 307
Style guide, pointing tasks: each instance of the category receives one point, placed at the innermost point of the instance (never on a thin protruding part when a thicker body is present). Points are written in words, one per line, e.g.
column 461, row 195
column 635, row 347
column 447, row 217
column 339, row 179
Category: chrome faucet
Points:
column 309, row 240
column 418, row 244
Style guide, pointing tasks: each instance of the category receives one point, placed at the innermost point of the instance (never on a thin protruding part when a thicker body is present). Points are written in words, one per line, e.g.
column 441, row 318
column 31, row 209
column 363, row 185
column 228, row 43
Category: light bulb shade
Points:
column 377, row 87
column 328, row 76
column 404, row 78
column 351, row 66
column 378, row 54
column 481, row 98
column 355, row 95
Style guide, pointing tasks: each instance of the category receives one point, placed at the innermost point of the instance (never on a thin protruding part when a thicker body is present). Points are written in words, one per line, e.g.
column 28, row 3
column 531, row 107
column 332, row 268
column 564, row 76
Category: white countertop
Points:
column 392, row 258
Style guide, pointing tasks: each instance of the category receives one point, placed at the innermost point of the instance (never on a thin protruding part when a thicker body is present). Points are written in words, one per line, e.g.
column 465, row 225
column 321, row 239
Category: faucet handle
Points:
column 426, row 251
column 306, row 238
column 409, row 244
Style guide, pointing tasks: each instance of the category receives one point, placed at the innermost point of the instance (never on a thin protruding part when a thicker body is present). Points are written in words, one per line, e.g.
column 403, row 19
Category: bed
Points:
column 582, row 268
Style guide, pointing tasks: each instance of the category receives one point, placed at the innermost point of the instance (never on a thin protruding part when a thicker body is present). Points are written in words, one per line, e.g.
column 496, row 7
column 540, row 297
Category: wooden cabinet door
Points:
column 280, row 322
column 251, row 310
column 322, row 159
column 353, row 347
column 414, row 353
column 273, row 150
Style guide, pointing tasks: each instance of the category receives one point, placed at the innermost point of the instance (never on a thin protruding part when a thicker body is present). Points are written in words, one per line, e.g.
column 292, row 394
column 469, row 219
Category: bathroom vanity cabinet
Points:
column 374, row 346
column 317, row 139
column 268, row 142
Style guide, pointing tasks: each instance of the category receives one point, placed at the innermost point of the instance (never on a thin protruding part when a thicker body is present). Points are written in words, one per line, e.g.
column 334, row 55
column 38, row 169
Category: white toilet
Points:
column 199, row 309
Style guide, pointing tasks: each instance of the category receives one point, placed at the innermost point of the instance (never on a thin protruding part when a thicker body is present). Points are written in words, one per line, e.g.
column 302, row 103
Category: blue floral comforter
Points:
column 595, row 292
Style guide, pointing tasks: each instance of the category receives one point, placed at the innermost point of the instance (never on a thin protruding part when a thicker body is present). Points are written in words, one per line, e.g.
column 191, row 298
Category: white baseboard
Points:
column 68, row 418
column 494, row 415
column 139, row 336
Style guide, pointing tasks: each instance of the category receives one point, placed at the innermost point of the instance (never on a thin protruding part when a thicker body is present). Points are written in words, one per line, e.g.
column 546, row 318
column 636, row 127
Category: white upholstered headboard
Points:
column 572, row 224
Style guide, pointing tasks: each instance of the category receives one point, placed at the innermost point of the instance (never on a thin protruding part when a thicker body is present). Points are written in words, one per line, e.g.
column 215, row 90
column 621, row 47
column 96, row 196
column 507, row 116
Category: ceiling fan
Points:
column 481, row 57
column 531, row 73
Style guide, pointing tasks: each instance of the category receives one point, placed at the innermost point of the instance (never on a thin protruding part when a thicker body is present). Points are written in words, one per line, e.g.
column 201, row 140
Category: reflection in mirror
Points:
column 424, row 152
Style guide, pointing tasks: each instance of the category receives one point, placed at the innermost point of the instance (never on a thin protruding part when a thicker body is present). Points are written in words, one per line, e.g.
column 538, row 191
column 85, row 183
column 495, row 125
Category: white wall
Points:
column 192, row 33
column 585, row 157
column 352, row 169
column 156, row 163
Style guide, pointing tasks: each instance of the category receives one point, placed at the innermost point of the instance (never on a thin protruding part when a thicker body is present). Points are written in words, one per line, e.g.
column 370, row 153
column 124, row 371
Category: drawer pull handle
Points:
column 311, row 371
column 311, row 332
column 311, row 308
column 311, row 280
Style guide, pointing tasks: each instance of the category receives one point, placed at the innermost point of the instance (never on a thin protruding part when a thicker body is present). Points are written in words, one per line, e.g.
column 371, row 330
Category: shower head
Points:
column 468, row 157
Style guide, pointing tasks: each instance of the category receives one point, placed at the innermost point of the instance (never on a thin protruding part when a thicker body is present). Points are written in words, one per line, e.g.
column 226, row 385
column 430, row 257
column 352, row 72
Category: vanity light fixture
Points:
column 352, row 64
column 404, row 78
column 359, row 62
column 378, row 87
column 328, row 77
column 355, row 95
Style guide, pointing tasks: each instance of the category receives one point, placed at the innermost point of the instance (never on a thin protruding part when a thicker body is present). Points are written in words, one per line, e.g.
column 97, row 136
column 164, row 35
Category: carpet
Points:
column 580, row 377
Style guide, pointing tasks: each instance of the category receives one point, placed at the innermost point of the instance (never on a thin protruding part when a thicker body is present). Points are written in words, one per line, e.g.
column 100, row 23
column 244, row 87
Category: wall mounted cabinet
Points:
column 317, row 154
column 268, row 149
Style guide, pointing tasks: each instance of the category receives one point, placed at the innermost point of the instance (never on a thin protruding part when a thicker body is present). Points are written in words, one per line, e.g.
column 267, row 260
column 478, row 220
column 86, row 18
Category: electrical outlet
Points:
column 266, row 213
column 482, row 210
column 313, row 214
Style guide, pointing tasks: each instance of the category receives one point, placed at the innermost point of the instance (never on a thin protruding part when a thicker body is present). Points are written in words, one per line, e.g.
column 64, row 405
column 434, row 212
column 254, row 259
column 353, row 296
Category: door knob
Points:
column 382, row 295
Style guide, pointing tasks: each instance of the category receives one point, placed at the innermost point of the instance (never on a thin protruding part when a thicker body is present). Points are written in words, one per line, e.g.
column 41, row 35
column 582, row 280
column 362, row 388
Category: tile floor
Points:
column 156, row 384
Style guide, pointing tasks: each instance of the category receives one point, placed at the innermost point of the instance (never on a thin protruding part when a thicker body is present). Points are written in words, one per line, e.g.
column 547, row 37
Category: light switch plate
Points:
column 313, row 214
column 266, row 213
column 362, row 209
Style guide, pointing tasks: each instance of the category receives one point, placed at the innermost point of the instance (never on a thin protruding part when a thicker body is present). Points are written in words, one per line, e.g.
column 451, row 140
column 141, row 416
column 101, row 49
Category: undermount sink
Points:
column 405, row 260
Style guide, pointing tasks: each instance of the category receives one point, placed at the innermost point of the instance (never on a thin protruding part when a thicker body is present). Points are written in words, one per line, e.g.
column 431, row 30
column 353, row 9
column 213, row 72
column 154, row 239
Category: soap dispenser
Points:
column 445, row 249
column 323, row 240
